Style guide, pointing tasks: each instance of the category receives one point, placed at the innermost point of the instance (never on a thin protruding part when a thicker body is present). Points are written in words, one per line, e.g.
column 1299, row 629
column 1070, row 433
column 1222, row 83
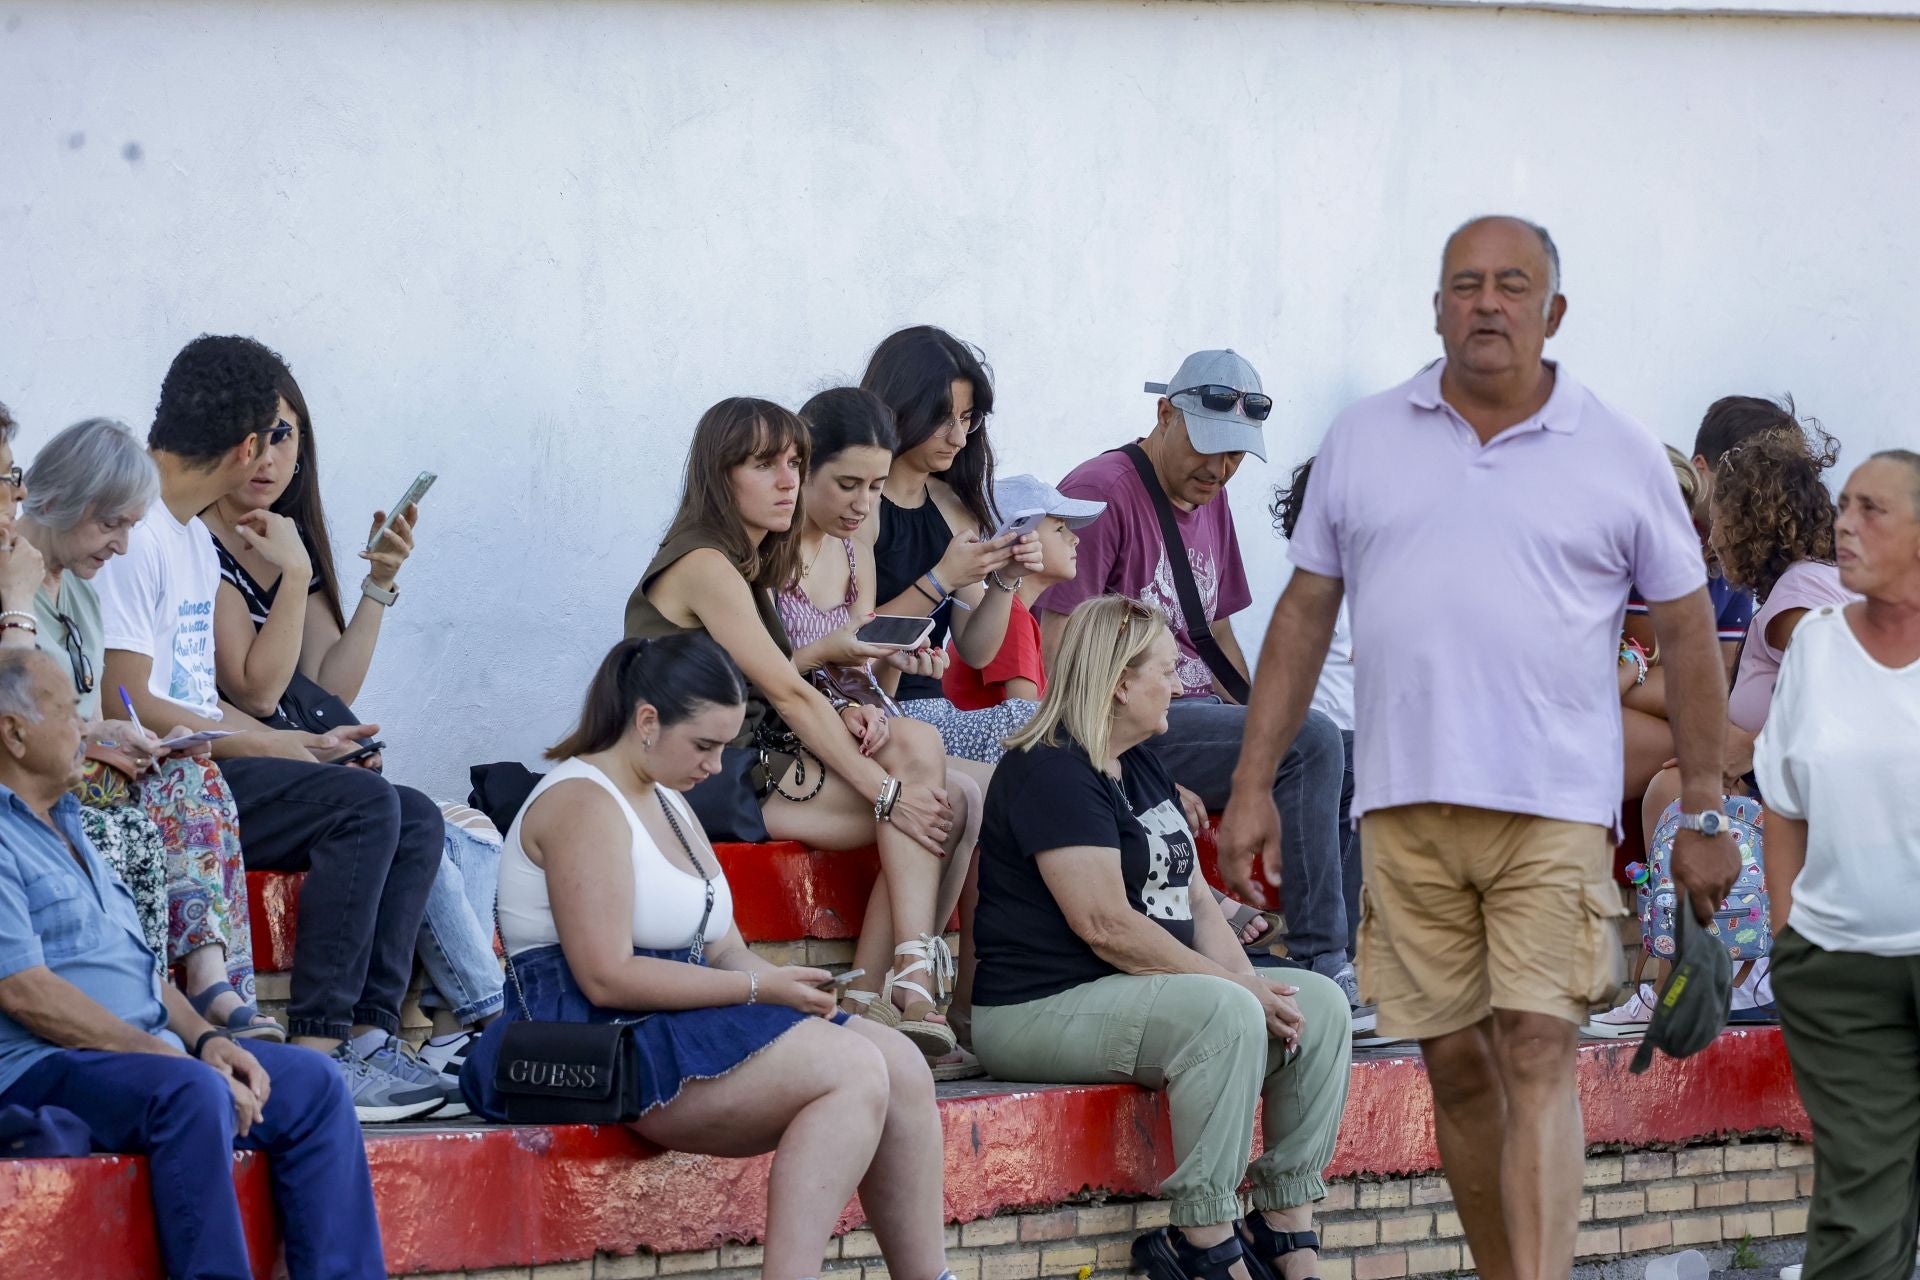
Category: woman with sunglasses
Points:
column 1101, row 960
column 20, row 566
column 284, row 642
column 166, row 823
column 934, row 550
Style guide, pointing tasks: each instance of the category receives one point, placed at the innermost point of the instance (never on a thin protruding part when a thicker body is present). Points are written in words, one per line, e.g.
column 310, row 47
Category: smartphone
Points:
column 366, row 749
column 845, row 980
column 1021, row 522
column 415, row 491
column 895, row 631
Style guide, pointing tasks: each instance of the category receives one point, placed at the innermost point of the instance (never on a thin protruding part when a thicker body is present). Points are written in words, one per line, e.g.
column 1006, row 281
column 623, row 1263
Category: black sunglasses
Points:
column 77, row 655
column 278, row 432
column 1222, row 399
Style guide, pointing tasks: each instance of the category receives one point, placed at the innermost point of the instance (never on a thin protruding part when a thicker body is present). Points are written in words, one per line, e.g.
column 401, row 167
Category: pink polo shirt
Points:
column 1485, row 586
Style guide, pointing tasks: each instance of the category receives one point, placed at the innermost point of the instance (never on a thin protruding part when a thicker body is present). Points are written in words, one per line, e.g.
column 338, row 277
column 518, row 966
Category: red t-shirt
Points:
column 1019, row 659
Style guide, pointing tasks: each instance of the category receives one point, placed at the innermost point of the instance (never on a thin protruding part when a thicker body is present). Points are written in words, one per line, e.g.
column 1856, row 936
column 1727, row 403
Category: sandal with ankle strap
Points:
column 1166, row 1254
column 932, row 957
column 1271, row 1246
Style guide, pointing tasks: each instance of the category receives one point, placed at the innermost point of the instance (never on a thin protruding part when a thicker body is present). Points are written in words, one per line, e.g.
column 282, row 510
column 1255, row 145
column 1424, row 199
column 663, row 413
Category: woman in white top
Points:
column 613, row 904
column 1837, row 760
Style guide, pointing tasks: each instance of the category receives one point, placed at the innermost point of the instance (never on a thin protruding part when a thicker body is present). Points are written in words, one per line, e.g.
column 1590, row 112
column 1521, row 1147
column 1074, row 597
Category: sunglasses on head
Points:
column 1221, row 399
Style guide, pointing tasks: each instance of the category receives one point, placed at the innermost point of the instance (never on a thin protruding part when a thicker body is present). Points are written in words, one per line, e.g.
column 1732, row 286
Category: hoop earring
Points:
column 296, row 468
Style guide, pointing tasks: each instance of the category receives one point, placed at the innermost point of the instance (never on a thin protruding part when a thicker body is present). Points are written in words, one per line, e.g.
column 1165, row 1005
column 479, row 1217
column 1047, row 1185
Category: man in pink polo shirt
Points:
column 1484, row 521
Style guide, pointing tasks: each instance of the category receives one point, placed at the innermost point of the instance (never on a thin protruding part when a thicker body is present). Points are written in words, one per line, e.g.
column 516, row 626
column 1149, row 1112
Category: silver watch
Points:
column 377, row 593
column 1710, row 824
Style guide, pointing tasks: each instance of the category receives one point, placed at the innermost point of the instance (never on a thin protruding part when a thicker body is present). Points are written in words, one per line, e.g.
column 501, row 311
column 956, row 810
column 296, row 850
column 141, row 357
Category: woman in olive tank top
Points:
column 884, row 782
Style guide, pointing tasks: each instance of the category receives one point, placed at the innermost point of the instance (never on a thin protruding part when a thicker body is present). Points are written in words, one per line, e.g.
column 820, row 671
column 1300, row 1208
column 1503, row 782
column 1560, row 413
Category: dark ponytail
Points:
column 675, row 675
column 842, row 418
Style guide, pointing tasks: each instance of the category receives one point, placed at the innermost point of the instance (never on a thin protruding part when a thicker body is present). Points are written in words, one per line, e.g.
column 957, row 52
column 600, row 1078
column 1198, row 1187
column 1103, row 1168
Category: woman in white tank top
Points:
column 613, row 906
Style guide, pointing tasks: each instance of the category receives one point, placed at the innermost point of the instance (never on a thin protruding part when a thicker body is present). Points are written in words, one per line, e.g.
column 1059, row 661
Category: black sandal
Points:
column 1165, row 1254
column 1270, row 1246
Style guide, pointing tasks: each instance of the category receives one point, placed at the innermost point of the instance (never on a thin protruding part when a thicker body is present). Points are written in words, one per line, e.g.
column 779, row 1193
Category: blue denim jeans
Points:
column 456, row 938
column 1200, row 749
column 179, row 1114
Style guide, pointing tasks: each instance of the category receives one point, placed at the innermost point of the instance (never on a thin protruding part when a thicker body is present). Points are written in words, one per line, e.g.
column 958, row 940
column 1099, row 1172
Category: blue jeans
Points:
column 456, row 938
column 179, row 1114
column 1200, row 749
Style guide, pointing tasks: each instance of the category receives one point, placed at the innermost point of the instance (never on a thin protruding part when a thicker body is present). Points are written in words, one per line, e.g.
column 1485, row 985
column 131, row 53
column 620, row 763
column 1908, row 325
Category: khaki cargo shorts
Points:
column 1466, row 910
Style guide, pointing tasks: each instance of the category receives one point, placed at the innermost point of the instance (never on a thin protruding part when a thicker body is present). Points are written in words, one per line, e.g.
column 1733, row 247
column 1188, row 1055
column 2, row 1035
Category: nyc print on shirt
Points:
column 1165, row 893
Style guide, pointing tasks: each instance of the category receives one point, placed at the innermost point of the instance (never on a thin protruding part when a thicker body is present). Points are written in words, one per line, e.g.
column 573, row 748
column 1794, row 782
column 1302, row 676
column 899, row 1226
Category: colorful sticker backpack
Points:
column 1741, row 923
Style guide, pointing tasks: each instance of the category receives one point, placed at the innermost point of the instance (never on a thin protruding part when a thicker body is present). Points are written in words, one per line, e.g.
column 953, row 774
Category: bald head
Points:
column 1549, row 251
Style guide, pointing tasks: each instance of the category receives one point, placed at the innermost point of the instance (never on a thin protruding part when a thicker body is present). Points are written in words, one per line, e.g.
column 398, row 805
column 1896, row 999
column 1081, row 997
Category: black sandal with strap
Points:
column 1166, row 1254
column 1269, row 1246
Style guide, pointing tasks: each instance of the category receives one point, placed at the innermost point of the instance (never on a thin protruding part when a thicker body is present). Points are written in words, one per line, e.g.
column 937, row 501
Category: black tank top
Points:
column 912, row 540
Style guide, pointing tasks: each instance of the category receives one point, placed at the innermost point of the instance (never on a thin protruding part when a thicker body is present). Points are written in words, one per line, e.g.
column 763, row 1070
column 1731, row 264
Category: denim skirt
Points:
column 675, row 1046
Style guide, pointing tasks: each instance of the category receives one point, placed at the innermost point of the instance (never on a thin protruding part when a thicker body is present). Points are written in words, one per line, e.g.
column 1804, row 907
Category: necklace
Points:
column 806, row 566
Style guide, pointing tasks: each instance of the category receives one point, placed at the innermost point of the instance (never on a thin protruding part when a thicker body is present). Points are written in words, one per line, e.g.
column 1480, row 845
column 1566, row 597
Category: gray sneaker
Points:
column 379, row 1098
column 394, row 1059
column 1364, row 1017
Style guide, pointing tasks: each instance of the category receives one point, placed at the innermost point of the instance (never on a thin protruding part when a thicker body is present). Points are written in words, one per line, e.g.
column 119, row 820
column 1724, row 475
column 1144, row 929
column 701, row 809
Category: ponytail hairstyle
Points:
column 914, row 371
column 676, row 675
column 843, row 418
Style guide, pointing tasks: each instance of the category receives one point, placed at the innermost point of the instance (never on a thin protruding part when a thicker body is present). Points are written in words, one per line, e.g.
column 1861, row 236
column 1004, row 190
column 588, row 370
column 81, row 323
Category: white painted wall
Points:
column 525, row 244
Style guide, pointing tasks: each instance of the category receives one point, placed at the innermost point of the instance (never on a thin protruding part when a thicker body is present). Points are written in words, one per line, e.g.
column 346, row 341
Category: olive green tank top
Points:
column 644, row 620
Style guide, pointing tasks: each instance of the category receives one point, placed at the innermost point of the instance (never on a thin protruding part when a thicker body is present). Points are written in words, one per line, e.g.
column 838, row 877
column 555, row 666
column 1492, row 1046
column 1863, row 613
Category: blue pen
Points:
column 132, row 715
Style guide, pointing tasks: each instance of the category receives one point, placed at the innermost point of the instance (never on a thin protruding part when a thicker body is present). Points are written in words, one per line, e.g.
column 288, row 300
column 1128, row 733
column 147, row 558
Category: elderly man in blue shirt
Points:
column 86, row 1024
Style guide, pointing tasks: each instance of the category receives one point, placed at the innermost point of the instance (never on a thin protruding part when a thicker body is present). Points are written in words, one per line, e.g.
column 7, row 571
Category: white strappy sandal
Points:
column 934, row 958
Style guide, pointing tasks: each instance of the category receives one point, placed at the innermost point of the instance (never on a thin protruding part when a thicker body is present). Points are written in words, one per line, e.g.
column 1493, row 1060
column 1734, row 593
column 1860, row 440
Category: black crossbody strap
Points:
column 1225, row 674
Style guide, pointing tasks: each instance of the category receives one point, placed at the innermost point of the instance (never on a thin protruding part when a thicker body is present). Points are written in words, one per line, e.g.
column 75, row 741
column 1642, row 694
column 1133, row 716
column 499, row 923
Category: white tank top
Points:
column 667, row 901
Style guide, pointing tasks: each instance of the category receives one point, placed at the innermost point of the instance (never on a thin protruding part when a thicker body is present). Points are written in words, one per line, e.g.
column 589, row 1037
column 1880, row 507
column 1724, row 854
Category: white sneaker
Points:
column 1630, row 1019
column 1790, row 1273
column 447, row 1054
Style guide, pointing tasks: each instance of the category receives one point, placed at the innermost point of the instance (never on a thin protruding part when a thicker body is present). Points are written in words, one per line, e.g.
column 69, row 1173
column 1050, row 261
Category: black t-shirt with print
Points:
column 1046, row 798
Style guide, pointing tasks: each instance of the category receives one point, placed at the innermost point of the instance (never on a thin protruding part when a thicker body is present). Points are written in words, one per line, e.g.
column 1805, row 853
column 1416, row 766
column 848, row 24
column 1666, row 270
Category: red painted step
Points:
column 475, row 1197
column 782, row 892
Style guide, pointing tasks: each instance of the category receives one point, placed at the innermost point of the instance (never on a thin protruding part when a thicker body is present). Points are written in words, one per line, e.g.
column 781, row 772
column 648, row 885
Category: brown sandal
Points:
column 930, row 956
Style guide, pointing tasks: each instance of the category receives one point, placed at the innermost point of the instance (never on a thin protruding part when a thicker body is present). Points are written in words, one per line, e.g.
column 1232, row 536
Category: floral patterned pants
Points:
column 174, row 838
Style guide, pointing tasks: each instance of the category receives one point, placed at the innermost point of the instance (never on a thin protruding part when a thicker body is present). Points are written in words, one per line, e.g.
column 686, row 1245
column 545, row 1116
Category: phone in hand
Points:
column 415, row 491
column 1020, row 523
column 841, row 981
column 895, row 631
column 365, row 749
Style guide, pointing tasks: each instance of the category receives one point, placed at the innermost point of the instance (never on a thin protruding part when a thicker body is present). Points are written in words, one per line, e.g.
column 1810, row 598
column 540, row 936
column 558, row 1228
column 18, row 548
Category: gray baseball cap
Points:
column 1692, row 1008
column 1217, row 430
column 1016, row 495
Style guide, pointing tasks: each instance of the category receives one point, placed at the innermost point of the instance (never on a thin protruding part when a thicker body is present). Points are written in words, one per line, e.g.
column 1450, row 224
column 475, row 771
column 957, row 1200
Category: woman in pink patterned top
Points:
column 852, row 451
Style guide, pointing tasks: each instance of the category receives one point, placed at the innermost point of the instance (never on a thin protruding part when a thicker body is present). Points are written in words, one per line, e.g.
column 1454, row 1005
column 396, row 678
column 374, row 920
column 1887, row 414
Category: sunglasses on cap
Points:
column 1222, row 399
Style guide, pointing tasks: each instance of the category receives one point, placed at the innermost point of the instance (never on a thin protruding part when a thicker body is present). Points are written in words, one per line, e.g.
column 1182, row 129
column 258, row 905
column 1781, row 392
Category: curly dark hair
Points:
column 1289, row 502
column 1731, row 421
column 218, row 391
column 1771, row 509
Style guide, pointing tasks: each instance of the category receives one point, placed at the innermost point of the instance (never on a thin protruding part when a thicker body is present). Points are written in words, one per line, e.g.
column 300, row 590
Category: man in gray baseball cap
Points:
column 1169, row 540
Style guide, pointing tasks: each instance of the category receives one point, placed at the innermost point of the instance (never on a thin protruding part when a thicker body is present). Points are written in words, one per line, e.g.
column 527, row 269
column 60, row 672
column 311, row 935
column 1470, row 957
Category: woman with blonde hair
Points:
column 1094, row 965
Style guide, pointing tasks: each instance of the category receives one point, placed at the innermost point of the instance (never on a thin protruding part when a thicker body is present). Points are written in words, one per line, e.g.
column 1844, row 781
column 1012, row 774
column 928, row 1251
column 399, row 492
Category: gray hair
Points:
column 93, row 468
column 1911, row 461
column 16, row 683
column 1551, row 249
column 7, row 425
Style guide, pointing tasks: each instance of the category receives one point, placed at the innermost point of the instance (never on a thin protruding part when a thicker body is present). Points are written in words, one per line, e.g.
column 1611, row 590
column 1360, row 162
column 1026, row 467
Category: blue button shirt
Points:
column 74, row 917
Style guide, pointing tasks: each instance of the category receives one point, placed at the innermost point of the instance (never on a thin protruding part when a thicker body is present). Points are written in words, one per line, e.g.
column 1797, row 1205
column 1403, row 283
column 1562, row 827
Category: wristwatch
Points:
column 377, row 593
column 1709, row 824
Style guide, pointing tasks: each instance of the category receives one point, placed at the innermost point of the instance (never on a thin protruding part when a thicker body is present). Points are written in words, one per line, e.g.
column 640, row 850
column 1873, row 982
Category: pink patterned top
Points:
column 806, row 621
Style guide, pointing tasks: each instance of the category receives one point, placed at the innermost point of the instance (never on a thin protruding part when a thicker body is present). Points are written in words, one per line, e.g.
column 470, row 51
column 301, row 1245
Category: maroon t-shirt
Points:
column 1122, row 553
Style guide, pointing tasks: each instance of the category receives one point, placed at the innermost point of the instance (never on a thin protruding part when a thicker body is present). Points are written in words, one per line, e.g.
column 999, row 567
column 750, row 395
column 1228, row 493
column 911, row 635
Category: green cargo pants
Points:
column 1852, row 1024
column 1204, row 1040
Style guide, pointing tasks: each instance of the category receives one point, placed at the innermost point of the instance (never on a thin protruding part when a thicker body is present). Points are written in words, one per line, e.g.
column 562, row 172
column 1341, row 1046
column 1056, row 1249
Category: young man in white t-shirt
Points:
column 370, row 851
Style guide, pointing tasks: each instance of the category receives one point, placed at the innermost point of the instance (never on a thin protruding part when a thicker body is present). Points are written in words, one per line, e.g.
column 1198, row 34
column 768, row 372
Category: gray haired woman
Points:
column 165, row 822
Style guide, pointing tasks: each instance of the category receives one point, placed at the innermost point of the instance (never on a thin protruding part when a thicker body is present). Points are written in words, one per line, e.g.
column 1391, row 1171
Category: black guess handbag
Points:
column 579, row 1072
